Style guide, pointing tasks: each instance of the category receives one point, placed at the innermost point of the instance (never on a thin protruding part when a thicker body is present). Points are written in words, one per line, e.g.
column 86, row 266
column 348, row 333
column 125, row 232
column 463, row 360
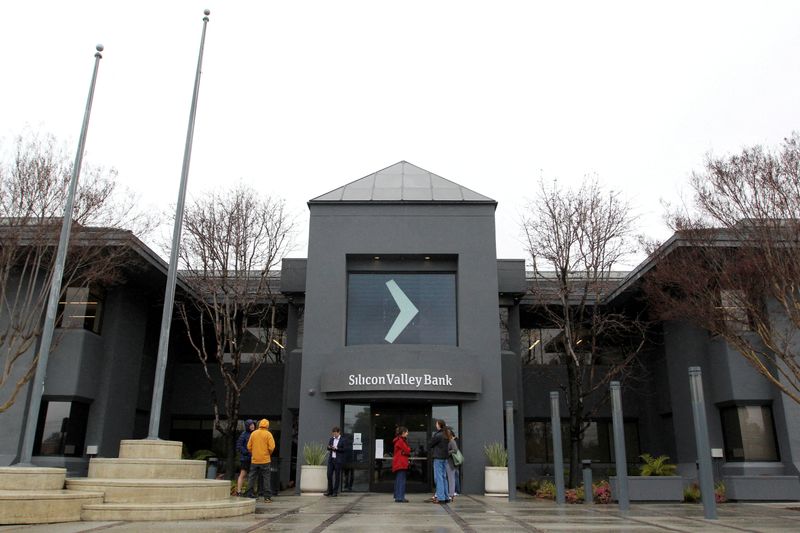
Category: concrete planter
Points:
column 496, row 481
column 651, row 488
column 762, row 488
column 313, row 479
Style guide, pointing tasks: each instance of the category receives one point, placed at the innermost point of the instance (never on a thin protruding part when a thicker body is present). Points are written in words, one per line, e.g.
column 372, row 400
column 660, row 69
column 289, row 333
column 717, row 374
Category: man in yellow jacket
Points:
column 261, row 444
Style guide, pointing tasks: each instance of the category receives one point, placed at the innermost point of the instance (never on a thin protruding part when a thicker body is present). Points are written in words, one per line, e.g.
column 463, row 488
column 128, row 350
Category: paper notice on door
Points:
column 357, row 445
column 378, row 448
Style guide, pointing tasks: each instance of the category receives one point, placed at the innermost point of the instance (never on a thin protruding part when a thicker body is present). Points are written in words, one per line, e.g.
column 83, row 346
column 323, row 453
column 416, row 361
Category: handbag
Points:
column 457, row 458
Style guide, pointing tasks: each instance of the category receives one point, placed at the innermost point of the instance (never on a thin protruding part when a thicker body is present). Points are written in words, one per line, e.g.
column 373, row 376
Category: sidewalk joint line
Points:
column 336, row 516
column 106, row 526
column 521, row 523
column 265, row 521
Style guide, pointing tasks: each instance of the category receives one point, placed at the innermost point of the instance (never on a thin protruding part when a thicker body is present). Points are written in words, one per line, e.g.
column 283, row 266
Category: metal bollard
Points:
column 211, row 468
column 588, row 492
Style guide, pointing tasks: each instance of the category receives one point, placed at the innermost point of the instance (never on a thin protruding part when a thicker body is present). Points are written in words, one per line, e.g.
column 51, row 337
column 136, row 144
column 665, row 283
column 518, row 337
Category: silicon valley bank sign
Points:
column 451, row 380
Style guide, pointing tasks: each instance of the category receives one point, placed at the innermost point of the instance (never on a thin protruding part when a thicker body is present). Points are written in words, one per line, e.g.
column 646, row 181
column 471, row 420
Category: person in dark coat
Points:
column 440, row 455
column 244, row 453
column 402, row 451
column 339, row 447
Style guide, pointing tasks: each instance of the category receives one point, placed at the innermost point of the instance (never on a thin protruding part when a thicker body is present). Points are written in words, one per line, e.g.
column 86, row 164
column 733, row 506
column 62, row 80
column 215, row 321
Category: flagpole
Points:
column 26, row 453
column 169, row 296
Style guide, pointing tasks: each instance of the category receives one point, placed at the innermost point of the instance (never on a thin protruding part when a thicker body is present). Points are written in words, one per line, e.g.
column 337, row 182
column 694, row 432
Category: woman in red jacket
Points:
column 402, row 451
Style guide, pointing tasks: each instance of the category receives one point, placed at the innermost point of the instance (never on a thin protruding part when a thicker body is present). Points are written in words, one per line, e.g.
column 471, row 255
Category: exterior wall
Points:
column 727, row 378
column 463, row 230
column 191, row 396
column 103, row 369
column 13, row 419
column 638, row 403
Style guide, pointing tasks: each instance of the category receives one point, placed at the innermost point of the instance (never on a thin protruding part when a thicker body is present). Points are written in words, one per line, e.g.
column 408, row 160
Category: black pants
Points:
column 334, row 476
column 259, row 474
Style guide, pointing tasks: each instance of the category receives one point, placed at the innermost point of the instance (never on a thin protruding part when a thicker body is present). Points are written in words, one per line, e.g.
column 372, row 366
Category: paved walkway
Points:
column 377, row 512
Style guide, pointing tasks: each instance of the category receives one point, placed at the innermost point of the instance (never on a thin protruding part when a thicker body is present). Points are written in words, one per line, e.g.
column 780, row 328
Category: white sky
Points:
column 298, row 98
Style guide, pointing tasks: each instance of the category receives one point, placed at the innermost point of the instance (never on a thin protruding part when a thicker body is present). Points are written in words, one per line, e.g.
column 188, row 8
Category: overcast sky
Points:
column 298, row 98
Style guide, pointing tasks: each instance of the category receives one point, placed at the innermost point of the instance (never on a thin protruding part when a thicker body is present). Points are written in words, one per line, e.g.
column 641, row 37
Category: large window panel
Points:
column 378, row 302
column 61, row 430
column 597, row 444
column 749, row 433
column 81, row 308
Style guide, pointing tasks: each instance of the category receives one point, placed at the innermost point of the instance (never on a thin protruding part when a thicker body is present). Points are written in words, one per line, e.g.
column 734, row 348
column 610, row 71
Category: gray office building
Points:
column 400, row 315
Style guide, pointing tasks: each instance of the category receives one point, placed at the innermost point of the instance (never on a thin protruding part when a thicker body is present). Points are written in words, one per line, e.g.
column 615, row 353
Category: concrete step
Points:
column 32, row 478
column 146, row 468
column 44, row 506
column 169, row 511
column 150, row 449
column 154, row 490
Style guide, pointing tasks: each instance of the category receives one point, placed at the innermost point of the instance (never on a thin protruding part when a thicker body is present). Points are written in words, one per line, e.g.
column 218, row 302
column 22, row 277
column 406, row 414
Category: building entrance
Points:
column 385, row 419
column 372, row 429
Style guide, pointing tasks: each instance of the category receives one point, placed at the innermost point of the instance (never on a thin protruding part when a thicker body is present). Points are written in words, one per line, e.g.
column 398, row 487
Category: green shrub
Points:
column 719, row 492
column 531, row 486
column 656, row 466
column 575, row 495
column 203, row 455
column 496, row 454
column 691, row 493
column 314, row 453
column 546, row 490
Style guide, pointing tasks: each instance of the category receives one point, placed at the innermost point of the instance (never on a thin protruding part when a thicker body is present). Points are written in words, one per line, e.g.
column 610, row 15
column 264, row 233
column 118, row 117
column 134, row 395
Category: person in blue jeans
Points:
column 402, row 451
column 439, row 454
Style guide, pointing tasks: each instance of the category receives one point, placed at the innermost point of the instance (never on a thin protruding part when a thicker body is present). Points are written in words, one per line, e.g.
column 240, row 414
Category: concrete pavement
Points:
column 377, row 512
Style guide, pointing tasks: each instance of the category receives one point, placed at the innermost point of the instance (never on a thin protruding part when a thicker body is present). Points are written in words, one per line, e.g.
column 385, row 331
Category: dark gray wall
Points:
column 727, row 379
column 191, row 395
column 103, row 369
column 466, row 231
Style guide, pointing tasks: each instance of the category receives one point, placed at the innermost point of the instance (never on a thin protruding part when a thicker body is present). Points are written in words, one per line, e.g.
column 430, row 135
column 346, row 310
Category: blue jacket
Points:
column 241, row 444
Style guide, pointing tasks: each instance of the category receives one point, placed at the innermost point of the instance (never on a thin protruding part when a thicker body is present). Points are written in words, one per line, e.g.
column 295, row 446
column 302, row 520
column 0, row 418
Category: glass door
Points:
column 385, row 420
column 357, row 425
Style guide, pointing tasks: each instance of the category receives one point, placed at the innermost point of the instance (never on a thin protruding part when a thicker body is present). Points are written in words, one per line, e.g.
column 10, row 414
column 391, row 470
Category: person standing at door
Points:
column 438, row 452
column 244, row 453
column 450, row 467
column 338, row 447
column 261, row 445
column 402, row 451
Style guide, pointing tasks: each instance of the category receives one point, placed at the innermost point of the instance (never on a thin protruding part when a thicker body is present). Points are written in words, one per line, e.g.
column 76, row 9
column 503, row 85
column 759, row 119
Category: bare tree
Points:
column 576, row 239
column 232, row 243
column 733, row 266
column 34, row 180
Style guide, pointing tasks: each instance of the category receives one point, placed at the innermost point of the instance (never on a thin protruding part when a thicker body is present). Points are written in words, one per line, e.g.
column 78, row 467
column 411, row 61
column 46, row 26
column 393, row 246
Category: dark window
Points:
column 374, row 303
column 62, row 428
column 80, row 308
column 749, row 433
column 199, row 433
column 597, row 445
column 542, row 346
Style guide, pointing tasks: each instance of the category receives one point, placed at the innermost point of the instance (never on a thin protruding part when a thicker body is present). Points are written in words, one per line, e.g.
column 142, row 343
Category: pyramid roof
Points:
column 402, row 183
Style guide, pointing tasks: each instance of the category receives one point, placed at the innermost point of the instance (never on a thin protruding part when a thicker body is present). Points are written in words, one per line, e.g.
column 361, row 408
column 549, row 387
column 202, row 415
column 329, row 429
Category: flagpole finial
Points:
column 99, row 49
column 207, row 12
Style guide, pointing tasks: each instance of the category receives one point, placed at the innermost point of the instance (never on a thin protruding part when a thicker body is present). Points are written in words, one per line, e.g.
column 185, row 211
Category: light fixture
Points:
column 532, row 346
column 427, row 258
column 579, row 341
column 279, row 344
column 377, row 258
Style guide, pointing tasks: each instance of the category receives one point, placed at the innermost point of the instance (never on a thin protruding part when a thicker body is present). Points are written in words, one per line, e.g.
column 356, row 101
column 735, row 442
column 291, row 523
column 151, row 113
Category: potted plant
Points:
column 656, row 481
column 496, row 472
column 314, row 473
